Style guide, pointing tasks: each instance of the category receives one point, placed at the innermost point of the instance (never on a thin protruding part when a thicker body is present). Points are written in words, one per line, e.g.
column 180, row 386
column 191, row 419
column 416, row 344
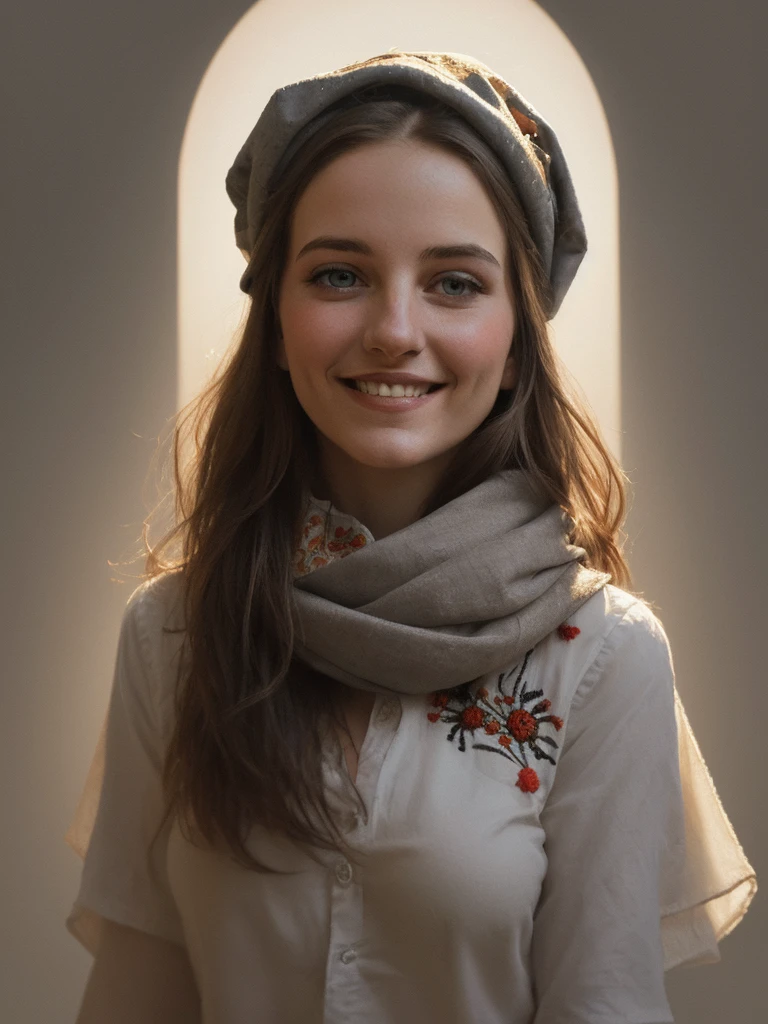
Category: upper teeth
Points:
column 394, row 391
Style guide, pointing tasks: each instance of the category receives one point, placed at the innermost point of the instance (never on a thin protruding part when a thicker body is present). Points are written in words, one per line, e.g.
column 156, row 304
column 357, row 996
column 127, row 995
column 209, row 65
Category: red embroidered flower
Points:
column 314, row 520
column 527, row 780
column 518, row 731
column 315, row 543
column 345, row 543
column 566, row 632
column 522, row 725
column 472, row 717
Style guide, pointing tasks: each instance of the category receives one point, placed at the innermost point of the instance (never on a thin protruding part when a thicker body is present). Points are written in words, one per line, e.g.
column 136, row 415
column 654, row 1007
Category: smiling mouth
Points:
column 351, row 384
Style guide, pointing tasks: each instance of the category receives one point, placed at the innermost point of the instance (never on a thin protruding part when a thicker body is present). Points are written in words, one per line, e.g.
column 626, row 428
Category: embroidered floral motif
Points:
column 313, row 552
column 505, row 716
column 566, row 632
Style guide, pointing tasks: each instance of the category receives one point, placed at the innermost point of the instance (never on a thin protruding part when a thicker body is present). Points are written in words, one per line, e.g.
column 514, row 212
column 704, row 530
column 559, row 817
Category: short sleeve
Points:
column 708, row 890
column 634, row 883
column 121, row 805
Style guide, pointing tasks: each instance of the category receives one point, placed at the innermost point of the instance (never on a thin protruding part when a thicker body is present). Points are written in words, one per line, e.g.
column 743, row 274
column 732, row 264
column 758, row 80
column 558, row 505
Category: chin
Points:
column 393, row 458
column 384, row 453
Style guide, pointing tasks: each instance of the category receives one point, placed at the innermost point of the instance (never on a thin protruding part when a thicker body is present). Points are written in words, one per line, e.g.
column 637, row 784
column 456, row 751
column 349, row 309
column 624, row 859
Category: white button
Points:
column 348, row 956
column 344, row 871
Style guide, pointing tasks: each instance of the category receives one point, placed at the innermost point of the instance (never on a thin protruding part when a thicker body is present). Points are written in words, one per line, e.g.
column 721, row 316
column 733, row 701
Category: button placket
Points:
column 382, row 728
column 343, row 993
column 344, row 988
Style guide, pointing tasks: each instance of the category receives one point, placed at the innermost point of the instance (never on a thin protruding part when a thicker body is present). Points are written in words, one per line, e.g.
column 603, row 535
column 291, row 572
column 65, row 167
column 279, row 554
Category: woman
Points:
column 399, row 529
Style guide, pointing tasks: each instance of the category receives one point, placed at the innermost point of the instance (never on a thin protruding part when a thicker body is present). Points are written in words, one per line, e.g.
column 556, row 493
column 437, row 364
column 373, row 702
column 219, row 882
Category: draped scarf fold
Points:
column 460, row 593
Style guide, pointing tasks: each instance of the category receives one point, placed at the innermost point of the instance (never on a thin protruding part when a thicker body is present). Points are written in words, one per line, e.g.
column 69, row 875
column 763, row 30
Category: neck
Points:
column 384, row 500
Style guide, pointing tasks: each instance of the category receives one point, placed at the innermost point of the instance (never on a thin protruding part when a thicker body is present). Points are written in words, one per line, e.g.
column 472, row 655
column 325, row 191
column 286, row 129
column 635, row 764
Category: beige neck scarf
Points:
column 460, row 593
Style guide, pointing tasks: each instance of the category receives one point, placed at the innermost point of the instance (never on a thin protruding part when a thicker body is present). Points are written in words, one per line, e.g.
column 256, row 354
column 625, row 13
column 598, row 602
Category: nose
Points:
column 392, row 327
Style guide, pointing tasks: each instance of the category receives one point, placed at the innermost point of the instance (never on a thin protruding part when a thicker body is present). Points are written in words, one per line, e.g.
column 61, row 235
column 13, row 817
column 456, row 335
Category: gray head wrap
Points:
column 497, row 112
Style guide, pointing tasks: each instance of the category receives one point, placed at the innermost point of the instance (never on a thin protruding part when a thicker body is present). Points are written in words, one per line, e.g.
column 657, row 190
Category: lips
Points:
column 393, row 377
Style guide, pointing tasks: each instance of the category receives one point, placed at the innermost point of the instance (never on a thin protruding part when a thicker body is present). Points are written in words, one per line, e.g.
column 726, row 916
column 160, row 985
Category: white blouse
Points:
column 538, row 849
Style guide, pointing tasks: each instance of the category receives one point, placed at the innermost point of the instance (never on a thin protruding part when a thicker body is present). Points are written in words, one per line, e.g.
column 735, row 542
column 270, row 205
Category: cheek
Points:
column 482, row 358
column 316, row 334
column 481, row 345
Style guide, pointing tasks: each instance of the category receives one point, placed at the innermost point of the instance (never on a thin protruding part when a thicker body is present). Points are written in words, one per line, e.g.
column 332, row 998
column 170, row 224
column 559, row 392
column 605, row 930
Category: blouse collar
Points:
column 328, row 534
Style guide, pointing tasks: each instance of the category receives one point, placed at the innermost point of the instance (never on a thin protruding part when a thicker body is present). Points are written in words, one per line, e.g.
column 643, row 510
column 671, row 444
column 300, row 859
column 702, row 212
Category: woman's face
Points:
column 397, row 264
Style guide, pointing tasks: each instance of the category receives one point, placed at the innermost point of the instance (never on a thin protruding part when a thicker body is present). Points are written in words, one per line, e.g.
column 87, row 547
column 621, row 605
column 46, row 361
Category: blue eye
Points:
column 350, row 276
column 461, row 280
column 333, row 270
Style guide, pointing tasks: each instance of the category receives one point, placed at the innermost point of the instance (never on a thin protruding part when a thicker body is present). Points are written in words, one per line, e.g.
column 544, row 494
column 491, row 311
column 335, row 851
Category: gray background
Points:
column 95, row 100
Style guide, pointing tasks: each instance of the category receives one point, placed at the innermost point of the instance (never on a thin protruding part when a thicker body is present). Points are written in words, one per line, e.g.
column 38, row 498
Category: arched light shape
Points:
column 281, row 41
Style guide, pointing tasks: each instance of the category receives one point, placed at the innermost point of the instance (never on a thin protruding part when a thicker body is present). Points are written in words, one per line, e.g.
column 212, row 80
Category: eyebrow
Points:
column 434, row 252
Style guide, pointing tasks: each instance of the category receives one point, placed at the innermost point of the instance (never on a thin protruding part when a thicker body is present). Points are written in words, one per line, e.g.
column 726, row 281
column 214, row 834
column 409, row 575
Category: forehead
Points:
column 399, row 190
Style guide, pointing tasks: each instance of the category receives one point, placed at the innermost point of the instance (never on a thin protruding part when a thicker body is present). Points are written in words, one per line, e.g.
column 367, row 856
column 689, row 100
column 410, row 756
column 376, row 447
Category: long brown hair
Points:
column 249, row 717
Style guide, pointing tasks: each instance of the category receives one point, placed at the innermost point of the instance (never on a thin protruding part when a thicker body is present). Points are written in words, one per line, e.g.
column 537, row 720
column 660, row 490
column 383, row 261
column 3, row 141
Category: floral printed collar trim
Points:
column 517, row 729
column 328, row 534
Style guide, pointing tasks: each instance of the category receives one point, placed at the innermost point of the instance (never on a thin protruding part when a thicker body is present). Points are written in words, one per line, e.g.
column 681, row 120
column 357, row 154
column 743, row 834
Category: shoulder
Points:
column 159, row 597
column 155, row 606
column 633, row 659
column 153, row 626
column 612, row 609
column 613, row 632
column 596, row 622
